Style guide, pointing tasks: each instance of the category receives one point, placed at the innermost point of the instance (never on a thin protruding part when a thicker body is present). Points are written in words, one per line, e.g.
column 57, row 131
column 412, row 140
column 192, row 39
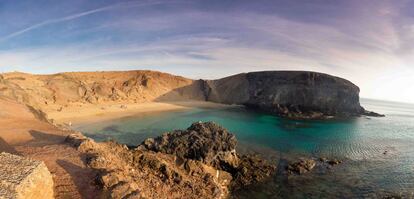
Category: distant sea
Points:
column 378, row 153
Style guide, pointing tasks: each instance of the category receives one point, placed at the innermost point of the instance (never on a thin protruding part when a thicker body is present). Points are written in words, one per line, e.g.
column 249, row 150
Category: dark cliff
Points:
column 295, row 94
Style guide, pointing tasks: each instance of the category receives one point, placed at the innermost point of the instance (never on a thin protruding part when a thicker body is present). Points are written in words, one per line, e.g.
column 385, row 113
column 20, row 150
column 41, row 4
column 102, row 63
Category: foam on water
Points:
column 361, row 142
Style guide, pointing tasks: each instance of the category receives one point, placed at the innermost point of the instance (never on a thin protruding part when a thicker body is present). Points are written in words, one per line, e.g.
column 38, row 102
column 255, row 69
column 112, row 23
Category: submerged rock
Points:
column 251, row 170
column 301, row 167
column 200, row 162
column 334, row 162
column 372, row 114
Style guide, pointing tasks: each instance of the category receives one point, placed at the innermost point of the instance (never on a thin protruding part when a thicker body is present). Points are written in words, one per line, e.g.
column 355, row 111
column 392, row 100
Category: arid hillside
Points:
column 295, row 94
column 50, row 92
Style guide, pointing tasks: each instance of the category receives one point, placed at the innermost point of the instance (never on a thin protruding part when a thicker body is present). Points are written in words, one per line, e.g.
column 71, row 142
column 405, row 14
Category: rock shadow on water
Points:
column 113, row 129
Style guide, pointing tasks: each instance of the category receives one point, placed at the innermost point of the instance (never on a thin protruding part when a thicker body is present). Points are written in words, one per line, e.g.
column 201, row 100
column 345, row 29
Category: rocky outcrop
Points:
column 22, row 178
column 206, row 142
column 214, row 146
column 200, row 162
column 294, row 94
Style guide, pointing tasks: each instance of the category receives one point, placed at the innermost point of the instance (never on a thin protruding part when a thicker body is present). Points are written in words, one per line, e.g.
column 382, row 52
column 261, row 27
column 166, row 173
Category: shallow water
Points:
column 361, row 142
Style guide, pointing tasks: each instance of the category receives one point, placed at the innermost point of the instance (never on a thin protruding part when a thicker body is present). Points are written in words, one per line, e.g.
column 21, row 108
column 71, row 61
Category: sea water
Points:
column 377, row 153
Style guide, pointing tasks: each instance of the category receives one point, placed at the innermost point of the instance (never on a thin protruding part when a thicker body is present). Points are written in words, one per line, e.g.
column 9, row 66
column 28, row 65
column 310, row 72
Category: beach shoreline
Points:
column 91, row 113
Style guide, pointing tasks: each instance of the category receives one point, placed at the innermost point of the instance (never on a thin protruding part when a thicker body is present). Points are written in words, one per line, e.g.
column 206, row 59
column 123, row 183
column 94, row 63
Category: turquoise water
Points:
column 361, row 142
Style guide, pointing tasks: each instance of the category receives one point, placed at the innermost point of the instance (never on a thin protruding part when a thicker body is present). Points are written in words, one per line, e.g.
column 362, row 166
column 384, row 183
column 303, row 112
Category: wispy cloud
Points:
column 78, row 15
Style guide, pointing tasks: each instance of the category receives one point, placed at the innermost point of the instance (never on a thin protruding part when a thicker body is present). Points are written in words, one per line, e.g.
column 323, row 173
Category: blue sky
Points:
column 370, row 42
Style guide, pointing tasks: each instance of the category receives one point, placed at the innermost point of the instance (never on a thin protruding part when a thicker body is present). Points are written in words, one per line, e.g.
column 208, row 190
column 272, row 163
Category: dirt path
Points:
column 21, row 133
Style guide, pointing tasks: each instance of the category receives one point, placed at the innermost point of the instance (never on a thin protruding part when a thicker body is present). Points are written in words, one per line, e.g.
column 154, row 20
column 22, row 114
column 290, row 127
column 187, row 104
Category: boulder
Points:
column 22, row 178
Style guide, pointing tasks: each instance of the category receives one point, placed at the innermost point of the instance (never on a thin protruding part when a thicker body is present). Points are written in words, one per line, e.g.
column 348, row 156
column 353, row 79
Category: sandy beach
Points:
column 89, row 113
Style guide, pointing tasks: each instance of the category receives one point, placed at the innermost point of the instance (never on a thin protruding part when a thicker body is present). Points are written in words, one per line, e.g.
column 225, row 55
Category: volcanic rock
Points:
column 252, row 169
column 301, row 167
column 200, row 162
column 206, row 142
column 334, row 162
column 293, row 94
column 214, row 146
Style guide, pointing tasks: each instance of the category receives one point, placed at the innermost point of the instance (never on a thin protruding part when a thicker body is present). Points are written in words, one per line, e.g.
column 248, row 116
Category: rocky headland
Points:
column 292, row 94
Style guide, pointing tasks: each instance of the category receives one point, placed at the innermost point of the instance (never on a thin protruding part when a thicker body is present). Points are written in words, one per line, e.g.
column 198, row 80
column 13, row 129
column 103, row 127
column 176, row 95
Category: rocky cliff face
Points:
column 296, row 94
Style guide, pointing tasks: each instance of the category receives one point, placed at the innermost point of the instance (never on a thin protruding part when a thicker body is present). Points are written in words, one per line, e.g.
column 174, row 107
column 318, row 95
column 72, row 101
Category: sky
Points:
column 369, row 42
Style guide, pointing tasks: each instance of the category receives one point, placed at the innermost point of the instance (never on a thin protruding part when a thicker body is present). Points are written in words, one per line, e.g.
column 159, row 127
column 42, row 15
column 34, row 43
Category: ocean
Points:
column 377, row 153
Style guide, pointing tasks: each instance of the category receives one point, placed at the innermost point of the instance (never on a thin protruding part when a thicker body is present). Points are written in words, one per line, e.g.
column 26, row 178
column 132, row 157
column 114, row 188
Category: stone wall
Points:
column 22, row 178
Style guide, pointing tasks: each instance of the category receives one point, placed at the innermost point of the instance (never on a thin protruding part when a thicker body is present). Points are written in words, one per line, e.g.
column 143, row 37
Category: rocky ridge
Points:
column 176, row 165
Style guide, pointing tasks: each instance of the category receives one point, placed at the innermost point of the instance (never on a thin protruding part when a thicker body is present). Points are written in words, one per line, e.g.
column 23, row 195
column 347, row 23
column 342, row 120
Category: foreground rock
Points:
column 22, row 178
column 214, row 146
column 205, row 142
column 200, row 162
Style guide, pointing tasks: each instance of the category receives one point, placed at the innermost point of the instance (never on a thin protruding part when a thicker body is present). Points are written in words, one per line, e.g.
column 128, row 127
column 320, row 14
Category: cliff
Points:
column 296, row 94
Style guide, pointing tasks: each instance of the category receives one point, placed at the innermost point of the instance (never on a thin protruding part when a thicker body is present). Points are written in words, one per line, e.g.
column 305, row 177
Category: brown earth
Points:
column 23, row 134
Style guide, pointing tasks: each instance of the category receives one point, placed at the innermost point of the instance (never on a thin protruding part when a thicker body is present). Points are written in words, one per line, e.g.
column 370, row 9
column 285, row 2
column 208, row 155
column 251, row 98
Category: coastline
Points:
column 91, row 113
column 22, row 133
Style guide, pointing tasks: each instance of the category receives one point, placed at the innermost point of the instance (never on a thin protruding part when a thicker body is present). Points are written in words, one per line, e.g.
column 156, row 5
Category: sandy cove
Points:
column 88, row 113
column 23, row 134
